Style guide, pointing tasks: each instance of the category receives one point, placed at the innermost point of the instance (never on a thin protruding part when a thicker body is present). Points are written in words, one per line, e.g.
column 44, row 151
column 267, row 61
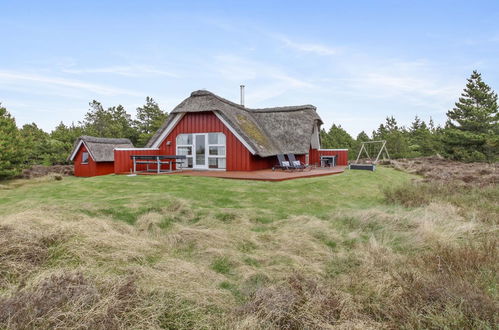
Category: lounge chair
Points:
column 283, row 163
column 296, row 164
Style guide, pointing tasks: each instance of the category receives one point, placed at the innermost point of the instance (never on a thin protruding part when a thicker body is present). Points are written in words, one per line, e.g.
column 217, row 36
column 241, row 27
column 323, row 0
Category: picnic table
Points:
column 328, row 161
column 157, row 160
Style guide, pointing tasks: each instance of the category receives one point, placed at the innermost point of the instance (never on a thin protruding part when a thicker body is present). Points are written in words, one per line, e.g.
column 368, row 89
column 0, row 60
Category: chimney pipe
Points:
column 242, row 95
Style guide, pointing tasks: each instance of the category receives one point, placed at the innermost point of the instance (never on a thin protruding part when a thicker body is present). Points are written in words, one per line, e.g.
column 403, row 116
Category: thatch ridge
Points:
column 269, row 131
column 269, row 109
column 94, row 139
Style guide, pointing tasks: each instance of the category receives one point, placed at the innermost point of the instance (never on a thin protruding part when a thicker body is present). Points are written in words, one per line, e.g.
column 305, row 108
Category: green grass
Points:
column 126, row 198
column 222, row 265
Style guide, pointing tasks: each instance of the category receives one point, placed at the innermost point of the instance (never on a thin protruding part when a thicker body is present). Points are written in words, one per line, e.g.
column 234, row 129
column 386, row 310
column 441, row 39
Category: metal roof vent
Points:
column 242, row 95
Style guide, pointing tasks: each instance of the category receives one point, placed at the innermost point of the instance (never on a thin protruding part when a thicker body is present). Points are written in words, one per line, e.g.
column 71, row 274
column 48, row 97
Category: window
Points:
column 184, row 139
column 216, row 151
column 216, row 138
column 216, row 163
column 184, row 147
column 210, row 147
column 84, row 158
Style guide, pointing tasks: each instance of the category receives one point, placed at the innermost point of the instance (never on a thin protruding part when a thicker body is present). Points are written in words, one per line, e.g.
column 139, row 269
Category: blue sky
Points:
column 356, row 61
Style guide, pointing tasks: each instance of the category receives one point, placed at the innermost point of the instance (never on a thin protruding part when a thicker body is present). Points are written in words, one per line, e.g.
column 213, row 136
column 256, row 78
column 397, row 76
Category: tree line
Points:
column 471, row 132
column 30, row 145
column 419, row 139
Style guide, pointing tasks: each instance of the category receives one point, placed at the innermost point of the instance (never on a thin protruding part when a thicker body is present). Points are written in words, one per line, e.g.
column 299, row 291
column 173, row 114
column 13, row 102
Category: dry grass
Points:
column 41, row 170
column 473, row 202
column 95, row 273
column 451, row 283
column 69, row 299
column 428, row 266
column 16, row 183
column 441, row 169
column 354, row 270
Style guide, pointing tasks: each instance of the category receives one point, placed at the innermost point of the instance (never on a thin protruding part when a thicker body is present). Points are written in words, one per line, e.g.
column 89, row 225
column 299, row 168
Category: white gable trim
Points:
column 168, row 130
column 333, row 149
column 233, row 131
column 315, row 140
column 73, row 155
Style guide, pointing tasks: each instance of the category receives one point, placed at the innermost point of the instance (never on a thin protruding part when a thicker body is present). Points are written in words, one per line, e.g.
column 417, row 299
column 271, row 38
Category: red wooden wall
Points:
column 238, row 158
column 341, row 156
column 92, row 168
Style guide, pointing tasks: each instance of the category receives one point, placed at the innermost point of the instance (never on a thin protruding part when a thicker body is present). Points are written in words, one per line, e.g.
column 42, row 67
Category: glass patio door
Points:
column 200, row 151
column 203, row 150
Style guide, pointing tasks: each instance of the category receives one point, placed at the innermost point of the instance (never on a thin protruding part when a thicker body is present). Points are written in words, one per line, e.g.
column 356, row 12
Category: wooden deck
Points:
column 261, row 175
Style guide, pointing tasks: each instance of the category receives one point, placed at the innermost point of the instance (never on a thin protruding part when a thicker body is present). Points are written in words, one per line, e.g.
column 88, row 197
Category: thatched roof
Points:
column 100, row 149
column 269, row 131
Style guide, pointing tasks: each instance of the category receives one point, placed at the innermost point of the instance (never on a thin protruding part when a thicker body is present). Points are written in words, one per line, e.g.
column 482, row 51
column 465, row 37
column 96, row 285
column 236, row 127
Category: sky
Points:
column 356, row 61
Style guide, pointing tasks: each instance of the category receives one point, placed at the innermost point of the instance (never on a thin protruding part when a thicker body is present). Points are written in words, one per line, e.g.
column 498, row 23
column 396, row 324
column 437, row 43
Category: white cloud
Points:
column 8, row 77
column 417, row 83
column 128, row 71
column 315, row 48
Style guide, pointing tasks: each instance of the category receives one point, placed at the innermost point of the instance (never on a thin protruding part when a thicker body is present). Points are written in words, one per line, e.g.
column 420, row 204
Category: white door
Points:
column 200, row 155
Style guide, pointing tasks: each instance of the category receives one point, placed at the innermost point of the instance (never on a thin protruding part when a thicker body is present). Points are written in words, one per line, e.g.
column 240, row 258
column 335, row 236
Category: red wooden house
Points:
column 216, row 134
column 93, row 156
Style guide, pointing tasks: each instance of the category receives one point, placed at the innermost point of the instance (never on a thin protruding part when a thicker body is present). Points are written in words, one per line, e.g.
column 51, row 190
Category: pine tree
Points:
column 62, row 139
column 11, row 150
column 472, row 129
column 395, row 136
column 36, row 142
column 325, row 139
column 340, row 138
column 66, row 134
column 362, row 137
column 113, row 122
column 421, row 139
column 149, row 119
column 337, row 137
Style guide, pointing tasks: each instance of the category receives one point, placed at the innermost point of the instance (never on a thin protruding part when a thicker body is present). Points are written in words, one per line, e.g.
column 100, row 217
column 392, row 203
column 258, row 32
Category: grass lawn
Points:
column 125, row 197
column 355, row 250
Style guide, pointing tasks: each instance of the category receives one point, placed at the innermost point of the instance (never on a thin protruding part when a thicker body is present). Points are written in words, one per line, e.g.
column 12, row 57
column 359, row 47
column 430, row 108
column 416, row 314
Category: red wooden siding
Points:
column 238, row 158
column 123, row 163
column 91, row 168
column 341, row 156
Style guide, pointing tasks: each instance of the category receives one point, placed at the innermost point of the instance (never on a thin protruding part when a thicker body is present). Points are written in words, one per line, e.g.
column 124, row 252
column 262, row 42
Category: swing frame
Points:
column 364, row 148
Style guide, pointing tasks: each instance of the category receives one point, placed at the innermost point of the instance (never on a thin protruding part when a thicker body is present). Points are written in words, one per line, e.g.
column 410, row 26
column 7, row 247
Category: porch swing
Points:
column 377, row 148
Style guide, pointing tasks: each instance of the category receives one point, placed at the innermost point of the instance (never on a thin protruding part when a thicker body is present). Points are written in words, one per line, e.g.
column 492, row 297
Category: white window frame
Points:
column 186, row 146
column 215, row 156
column 207, row 150
column 88, row 156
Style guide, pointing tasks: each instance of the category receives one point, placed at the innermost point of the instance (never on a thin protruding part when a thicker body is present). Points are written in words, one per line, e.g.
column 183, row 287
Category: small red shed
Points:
column 93, row 156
